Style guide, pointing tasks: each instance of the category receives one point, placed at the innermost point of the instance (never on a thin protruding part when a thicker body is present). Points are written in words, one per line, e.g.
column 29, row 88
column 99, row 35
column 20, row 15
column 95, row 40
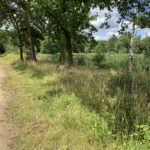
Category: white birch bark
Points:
column 132, row 47
column 132, row 44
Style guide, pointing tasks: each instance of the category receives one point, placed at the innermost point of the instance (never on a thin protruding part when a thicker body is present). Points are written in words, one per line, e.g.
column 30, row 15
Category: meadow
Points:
column 82, row 107
column 112, row 60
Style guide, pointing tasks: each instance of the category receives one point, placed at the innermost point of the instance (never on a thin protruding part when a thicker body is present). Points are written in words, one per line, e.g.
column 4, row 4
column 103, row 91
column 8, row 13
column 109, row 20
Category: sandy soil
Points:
column 6, row 127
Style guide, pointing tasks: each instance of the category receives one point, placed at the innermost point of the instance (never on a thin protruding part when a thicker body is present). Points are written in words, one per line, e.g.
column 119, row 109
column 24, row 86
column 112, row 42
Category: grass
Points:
column 57, row 108
column 114, row 61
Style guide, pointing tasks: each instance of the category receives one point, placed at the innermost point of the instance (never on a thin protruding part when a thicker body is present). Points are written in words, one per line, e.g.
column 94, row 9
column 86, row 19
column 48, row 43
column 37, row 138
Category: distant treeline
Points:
column 115, row 44
column 122, row 44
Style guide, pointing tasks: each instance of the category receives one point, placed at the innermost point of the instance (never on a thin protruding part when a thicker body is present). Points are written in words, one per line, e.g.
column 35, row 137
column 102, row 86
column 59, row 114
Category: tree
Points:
column 123, row 43
column 10, row 12
column 110, row 46
column 26, row 10
column 101, row 47
column 146, row 46
column 138, row 45
column 133, row 11
column 69, row 18
column 20, row 14
column 3, row 40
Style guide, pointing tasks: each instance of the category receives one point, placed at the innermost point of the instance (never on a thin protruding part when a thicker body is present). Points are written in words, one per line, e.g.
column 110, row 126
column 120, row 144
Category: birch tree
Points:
column 131, row 13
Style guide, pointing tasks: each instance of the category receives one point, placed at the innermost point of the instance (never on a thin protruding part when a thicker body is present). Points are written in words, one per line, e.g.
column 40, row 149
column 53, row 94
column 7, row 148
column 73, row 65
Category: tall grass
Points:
column 114, row 61
column 132, row 105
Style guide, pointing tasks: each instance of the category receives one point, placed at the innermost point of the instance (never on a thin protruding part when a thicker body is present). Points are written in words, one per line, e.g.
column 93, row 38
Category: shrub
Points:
column 2, row 48
column 81, row 60
column 98, row 60
column 49, row 47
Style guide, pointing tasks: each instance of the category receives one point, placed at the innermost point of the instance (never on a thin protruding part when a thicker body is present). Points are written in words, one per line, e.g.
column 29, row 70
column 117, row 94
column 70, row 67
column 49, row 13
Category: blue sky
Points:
column 105, row 34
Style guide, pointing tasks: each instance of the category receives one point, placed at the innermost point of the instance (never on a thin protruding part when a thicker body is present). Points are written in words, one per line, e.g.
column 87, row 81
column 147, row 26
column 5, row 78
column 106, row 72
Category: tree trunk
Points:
column 21, row 50
column 131, row 57
column 15, row 23
column 69, row 48
column 32, row 50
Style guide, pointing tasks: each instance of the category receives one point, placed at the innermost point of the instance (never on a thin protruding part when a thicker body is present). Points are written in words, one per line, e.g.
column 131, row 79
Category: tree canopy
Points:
column 66, row 23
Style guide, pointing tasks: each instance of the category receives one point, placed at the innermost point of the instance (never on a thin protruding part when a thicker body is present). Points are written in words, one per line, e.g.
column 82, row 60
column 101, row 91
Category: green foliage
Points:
column 138, row 48
column 98, row 60
column 3, row 40
column 66, row 22
column 146, row 63
column 134, row 12
column 131, row 107
column 143, row 20
column 80, row 60
column 146, row 46
column 4, row 36
column 48, row 46
column 142, row 133
column 124, row 42
column 122, row 45
column 110, row 46
column 2, row 48
column 100, row 47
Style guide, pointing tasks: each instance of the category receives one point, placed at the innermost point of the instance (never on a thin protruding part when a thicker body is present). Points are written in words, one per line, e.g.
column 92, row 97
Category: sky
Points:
column 105, row 34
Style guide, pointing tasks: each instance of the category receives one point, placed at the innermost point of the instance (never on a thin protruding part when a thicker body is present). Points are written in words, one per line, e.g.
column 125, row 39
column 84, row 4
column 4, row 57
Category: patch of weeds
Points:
column 20, row 66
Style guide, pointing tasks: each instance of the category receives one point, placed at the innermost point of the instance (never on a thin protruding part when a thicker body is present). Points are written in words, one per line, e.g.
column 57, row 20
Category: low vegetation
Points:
column 79, row 108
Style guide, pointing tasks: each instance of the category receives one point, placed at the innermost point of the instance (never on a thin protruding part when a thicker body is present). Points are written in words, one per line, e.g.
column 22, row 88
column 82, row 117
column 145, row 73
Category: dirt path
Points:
column 5, row 126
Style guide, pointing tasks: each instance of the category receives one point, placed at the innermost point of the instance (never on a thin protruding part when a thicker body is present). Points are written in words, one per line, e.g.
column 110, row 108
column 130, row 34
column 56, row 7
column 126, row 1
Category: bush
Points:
column 98, row 60
column 81, row 60
column 49, row 47
column 2, row 48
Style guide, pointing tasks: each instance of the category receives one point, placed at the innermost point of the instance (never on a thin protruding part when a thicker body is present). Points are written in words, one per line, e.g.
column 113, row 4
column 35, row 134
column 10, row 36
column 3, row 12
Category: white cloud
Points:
column 143, row 32
column 101, row 17
column 111, row 33
column 98, row 22
column 98, row 37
